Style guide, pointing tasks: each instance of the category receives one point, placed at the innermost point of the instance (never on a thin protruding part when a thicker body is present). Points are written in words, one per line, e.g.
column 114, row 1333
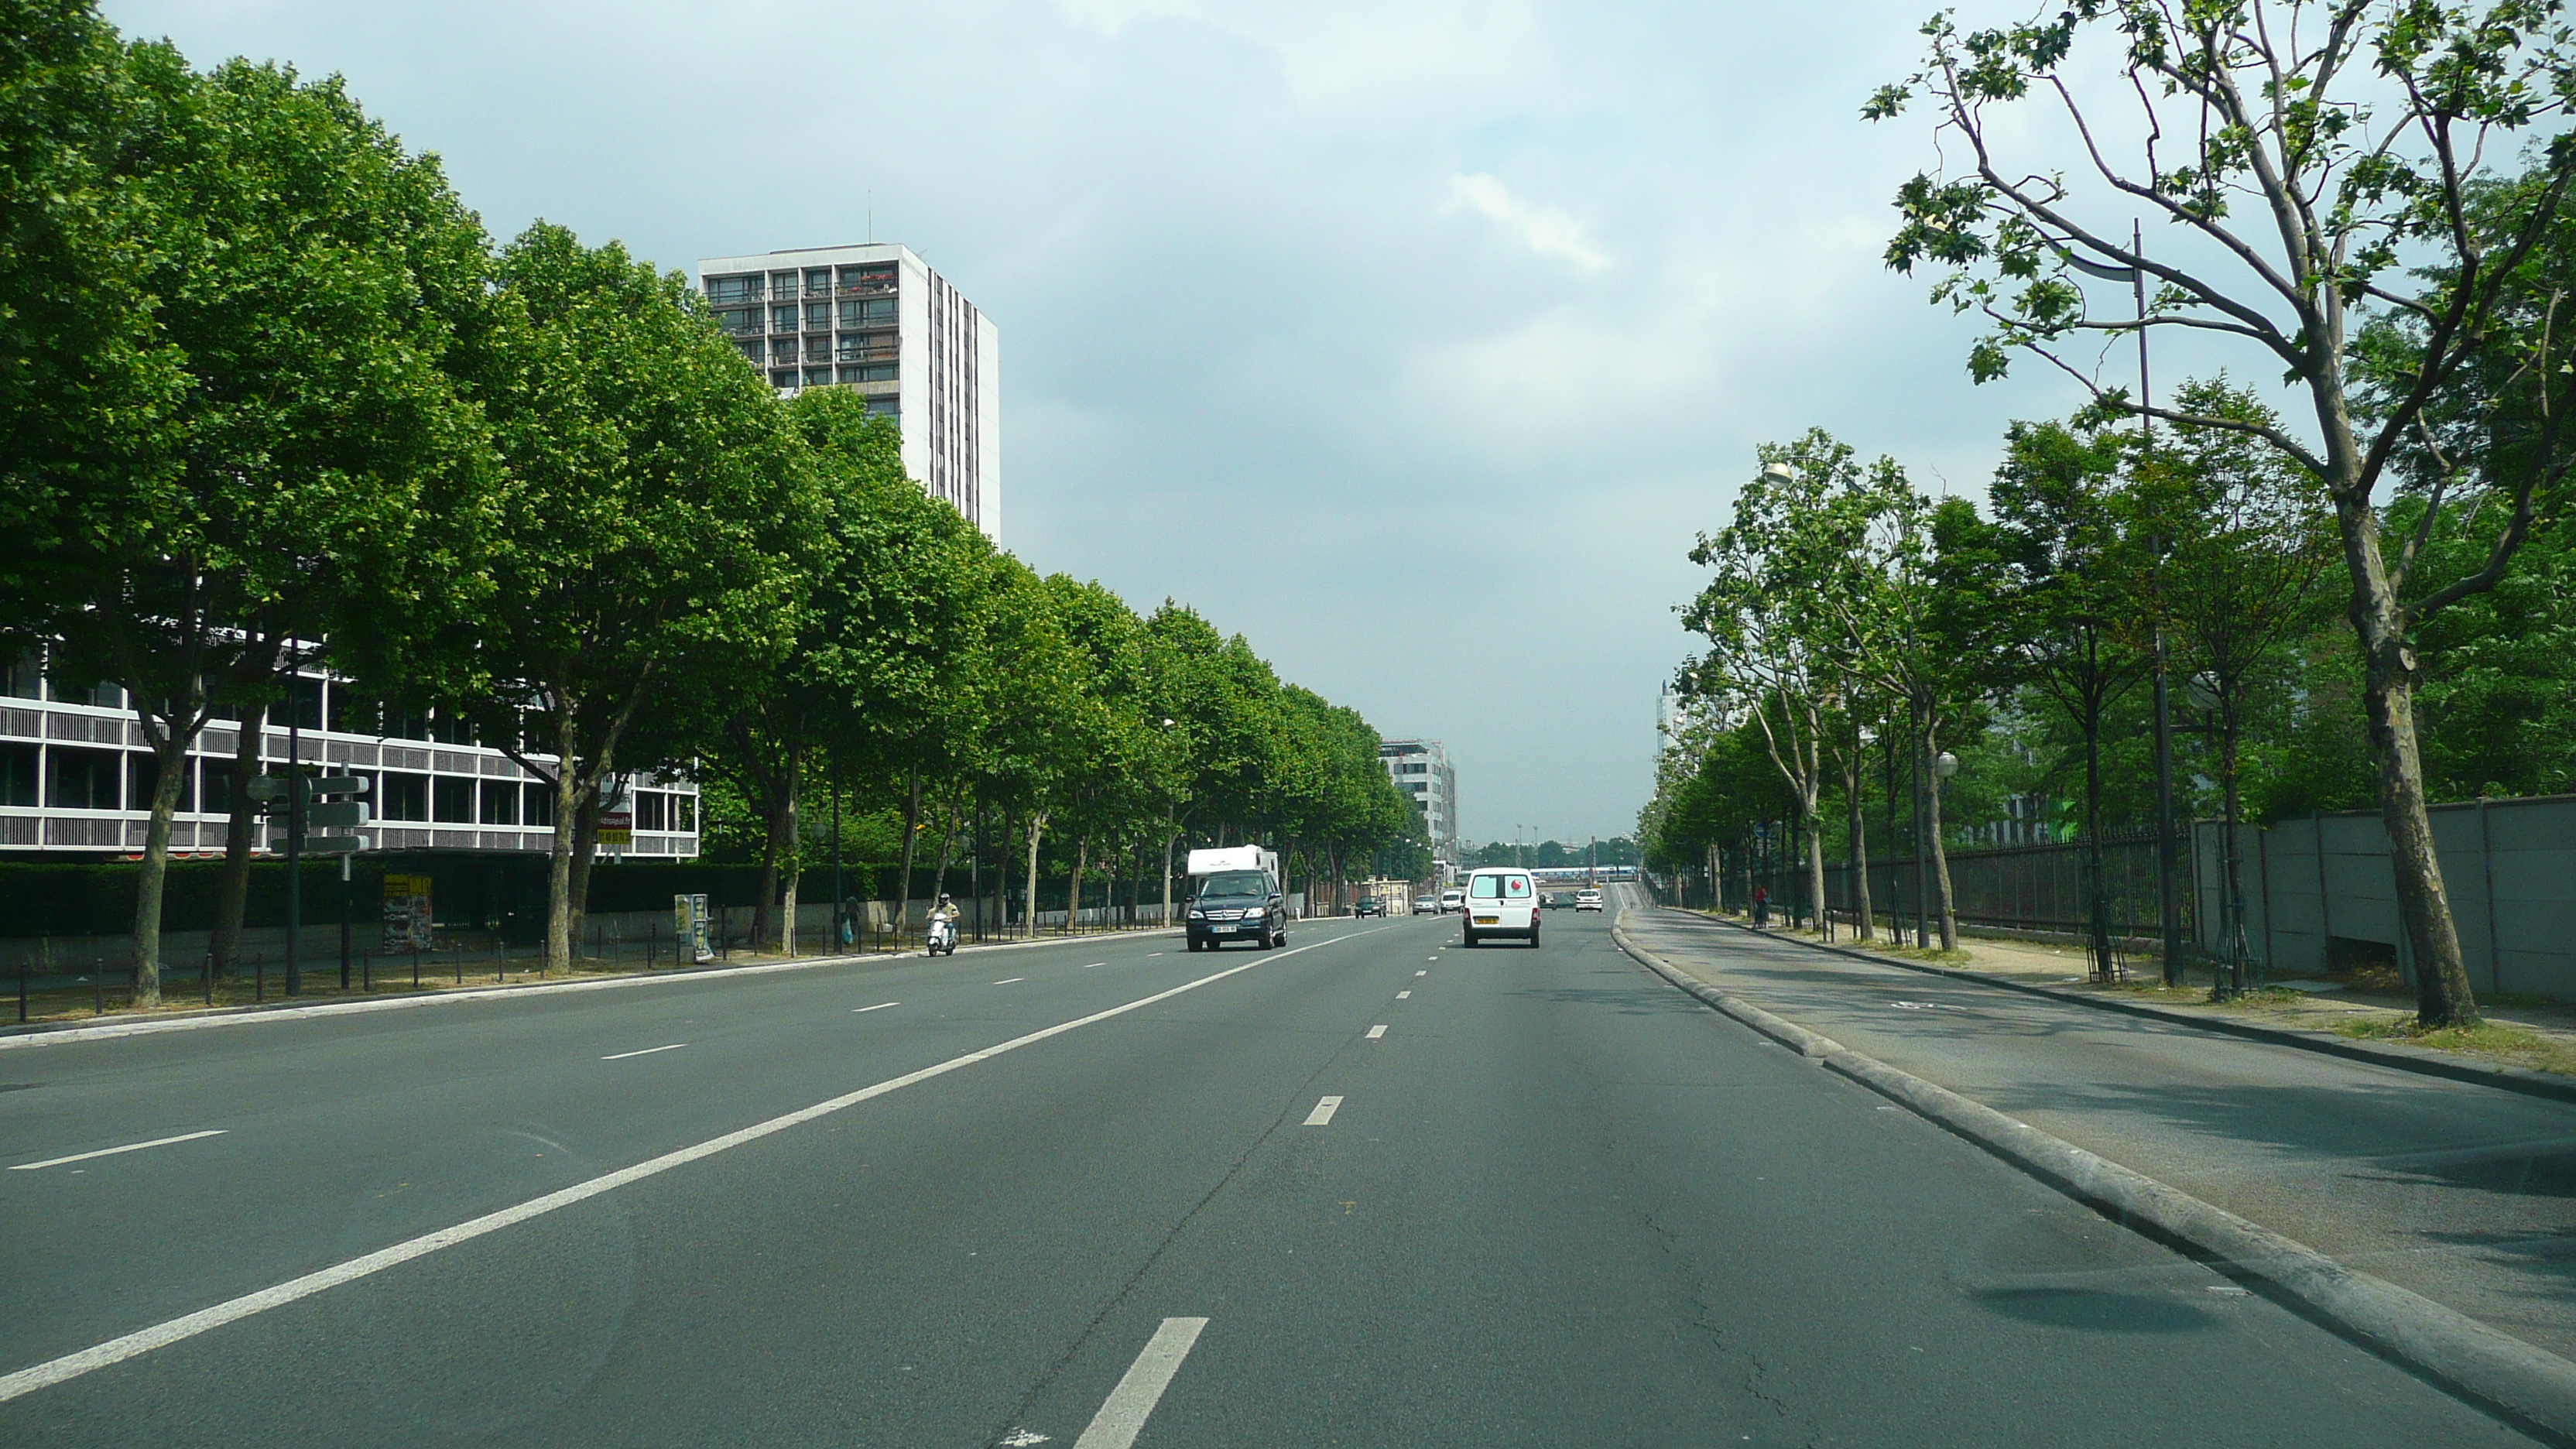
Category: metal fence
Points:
column 2023, row 887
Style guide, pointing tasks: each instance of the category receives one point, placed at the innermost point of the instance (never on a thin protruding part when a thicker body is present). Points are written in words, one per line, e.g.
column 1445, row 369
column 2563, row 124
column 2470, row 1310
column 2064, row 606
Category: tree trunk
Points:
column 585, row 849
column 1168, row 842
column 1932, row 837
column 947, row 853
column 792, row 870
column 559, row 922
column 1862, row 927
column 2097, row 912
column 1037, row 828
column 911, row 846
column 232, row 898
column 2442, row 994
column 170, row 759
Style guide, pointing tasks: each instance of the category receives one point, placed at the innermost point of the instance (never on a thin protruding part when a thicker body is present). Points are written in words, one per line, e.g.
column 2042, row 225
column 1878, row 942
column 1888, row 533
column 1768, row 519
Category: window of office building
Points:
column 450, row 727
column 877, row 372
column 818, row 376
column 215, row 786
column 18, row 765
column 500, row 802
column 353, row 713
column 782, row 284
column 83, row 779
column 406, row 724
column 734, row 288
column 885, row 407
column 451, row 800
column 818, row 316
column 402, row 796
column 539, row 798
column 684, row 812
column 818, row 281
column 652, row 810
column 143, row 774
column 299, row 704
column 751, row 350
column 104, row 696
column 782, row 319
column 25, row 677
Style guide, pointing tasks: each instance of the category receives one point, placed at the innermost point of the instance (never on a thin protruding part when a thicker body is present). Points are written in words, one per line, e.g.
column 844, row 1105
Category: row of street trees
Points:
column 276, row 401
column 2367, row 196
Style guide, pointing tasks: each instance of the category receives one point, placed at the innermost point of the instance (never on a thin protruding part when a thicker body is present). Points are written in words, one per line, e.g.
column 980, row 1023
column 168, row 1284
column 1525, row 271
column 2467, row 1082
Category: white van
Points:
column 1501, row 903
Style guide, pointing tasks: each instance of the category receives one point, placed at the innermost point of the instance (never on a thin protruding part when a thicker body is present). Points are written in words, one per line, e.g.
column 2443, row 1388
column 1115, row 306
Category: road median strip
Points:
column 2526, row 1385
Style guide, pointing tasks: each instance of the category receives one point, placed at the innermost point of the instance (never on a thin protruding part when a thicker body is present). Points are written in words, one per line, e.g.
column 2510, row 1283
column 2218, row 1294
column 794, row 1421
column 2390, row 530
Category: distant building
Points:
column 878, row 320
column 1421, row 770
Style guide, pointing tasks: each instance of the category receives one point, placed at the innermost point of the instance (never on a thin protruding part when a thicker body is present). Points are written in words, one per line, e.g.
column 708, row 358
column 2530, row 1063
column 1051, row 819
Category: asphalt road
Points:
column 1556, row 1203
column 2464, row 1193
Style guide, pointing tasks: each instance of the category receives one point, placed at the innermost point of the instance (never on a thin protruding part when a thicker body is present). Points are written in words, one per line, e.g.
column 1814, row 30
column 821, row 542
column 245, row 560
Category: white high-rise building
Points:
column 1422, row 772
column 878, row 320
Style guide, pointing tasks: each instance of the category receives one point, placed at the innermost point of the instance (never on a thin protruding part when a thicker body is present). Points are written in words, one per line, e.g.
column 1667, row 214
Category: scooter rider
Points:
column 945, row 913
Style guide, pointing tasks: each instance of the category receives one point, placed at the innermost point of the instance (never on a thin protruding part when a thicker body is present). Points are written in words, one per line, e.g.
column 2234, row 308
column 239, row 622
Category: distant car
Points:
column 1368, row 906
column 1587, row 900
column 1426, row 906
column 1556, row 900
column 1452, row 901
column 1501, row 903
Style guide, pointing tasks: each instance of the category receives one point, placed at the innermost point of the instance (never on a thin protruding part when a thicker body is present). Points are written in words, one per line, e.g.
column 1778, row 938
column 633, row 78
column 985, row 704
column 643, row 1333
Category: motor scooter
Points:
column 943, row 937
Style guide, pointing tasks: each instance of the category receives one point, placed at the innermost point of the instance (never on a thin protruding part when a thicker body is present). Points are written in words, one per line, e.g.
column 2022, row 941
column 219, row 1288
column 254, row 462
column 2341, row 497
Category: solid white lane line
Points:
column 1007, row 980
column 1375, row 1032
column 113, row 1151
column 1087, row 965
column 1323, row 1112
column 880, row 1006
column 648, row 1051
column 1421, row 973
column 117, row 1350
column 1123, row 1416
column 1403, row 995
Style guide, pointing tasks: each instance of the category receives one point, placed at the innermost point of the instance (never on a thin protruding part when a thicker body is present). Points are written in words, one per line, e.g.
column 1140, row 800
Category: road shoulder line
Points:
column 2527, row 1386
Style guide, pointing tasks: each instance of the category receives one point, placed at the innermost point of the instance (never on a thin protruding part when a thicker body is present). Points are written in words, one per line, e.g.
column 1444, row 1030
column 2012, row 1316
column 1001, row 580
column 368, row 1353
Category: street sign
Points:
column 616, row 827
column 336, row 815
column 337, row 785
column 334, row 844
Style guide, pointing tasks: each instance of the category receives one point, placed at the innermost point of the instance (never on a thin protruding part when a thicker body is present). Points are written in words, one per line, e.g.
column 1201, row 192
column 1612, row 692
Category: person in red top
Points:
column 1761, row 908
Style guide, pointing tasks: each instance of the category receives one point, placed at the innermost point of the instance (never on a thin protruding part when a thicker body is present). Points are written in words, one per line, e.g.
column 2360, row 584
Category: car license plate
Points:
column 1488, row 920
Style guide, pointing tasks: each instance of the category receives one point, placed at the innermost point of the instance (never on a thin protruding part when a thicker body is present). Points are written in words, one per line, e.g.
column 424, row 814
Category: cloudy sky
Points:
column 1412, row 341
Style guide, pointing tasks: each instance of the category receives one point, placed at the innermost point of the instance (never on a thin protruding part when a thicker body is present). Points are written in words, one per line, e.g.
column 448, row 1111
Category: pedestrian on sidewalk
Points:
column 1761, row 908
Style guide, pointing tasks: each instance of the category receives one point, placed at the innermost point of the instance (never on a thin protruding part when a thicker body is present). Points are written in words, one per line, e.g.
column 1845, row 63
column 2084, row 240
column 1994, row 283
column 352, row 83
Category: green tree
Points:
column 2353, row 134
column 647, row 528
column 317, row 468
column 2069, row 588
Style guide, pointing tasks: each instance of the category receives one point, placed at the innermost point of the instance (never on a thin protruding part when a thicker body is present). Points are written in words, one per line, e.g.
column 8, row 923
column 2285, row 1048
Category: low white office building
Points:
column 878, row 320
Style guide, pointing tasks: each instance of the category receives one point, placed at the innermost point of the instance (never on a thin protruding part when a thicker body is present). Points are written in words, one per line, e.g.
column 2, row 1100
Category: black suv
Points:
column 1238, row 905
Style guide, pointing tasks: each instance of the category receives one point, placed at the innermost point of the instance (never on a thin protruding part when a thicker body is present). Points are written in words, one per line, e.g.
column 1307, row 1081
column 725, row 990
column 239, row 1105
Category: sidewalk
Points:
column 2458, row 1191
column 2527, row 1032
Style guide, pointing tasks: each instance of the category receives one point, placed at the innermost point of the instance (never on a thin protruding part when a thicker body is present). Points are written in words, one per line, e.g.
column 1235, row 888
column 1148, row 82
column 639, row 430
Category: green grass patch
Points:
column 2520, row 1047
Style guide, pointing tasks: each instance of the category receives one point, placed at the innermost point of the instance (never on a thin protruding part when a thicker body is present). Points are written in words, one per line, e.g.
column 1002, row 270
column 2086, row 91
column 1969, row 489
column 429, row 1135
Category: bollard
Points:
column 22, row 988
column 98, row 983
column 415, row 970
column 259, row 977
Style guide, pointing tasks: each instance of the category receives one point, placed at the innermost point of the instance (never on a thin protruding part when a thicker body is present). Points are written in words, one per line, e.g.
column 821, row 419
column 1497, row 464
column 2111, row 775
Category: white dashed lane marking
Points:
column 1376, row 1031
column 1324, row 1111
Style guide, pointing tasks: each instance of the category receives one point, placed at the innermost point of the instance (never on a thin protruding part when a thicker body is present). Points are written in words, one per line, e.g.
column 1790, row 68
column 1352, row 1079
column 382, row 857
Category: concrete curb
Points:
column 2528, row 1387
column 47, row 1034
column 2421, row 1060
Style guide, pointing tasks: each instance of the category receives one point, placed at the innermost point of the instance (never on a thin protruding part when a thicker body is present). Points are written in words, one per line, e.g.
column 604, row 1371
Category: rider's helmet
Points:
column 943, row 898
